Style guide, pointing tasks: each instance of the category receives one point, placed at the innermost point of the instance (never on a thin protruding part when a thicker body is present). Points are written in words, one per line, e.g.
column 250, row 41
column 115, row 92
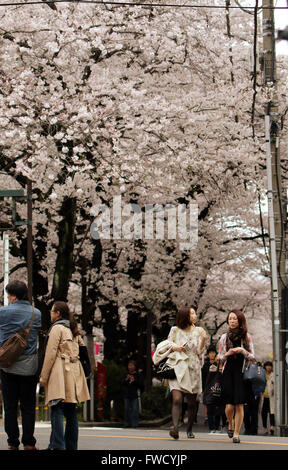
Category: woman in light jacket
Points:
column 190, row 339
column 235, row 349
column 63, row 377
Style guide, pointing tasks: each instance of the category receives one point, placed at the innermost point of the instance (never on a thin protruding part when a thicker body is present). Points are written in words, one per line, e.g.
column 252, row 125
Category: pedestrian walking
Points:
column 208, row 361
column 186, row 338
column 133, row 386
column 212, row 391
column 235, row 349
column 251, row 409
column 19, row 381
column 63, row 377
column 268, row 403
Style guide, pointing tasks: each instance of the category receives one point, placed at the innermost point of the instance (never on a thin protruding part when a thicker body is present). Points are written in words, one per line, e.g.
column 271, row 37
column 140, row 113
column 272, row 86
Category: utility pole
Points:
column 6, row 264
column 17, row 195
column 276, row 212
column 29, row 242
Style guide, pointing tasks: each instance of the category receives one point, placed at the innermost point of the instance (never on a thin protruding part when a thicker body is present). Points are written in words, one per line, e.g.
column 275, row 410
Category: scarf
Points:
column 236, row 335
column 60, row 322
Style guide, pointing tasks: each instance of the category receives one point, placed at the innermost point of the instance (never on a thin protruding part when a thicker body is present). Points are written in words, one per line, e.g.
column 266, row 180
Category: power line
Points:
column 171, row 5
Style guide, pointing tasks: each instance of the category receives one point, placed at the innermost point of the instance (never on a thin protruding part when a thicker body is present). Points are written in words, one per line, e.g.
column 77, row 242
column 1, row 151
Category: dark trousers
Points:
column 213, row 418
column 251, row 415
column 266, row 412
column 19, row 389
column 131, row 412
column 59, row 439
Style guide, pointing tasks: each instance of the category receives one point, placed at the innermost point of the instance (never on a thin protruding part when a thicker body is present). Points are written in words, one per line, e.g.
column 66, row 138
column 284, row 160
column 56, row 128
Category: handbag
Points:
column 255, row 374
column 85, row 361
column 163, row 370
column 213, row 391
column 14, row 346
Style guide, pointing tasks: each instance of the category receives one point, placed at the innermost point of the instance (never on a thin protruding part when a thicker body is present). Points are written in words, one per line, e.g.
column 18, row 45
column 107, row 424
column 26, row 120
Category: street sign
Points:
column 11, row 193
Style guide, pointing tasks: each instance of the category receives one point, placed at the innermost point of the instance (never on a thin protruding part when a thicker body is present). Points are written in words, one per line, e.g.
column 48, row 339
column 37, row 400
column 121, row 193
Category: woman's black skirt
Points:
column 235, row 390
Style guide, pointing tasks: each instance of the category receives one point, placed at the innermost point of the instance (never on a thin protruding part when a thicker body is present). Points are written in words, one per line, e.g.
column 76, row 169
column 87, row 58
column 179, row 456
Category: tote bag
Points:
column 213, row 391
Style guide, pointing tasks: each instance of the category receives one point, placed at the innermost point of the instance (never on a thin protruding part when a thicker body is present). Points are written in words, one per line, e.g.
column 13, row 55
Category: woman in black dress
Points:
column 235, row 348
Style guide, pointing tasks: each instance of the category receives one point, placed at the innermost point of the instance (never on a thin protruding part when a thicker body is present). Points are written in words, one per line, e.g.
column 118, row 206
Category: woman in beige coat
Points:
column 63, row 377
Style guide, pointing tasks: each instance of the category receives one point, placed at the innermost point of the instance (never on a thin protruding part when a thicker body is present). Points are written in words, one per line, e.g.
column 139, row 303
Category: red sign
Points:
column 101, row 381
column 101, row 387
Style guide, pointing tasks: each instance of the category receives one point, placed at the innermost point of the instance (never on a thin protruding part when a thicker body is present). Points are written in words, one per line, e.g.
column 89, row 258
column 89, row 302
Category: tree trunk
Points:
column 64, row 263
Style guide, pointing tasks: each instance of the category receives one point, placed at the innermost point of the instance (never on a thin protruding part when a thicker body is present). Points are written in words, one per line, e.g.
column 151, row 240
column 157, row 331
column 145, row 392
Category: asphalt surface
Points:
column 103, row 440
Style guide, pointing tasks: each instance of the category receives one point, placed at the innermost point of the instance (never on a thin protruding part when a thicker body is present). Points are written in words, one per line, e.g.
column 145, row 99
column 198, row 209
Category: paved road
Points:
column 103, row 439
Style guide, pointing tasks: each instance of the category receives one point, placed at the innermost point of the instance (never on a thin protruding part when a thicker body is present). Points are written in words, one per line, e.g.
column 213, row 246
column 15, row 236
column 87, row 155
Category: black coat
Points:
column 205, row 371
column 131, row 387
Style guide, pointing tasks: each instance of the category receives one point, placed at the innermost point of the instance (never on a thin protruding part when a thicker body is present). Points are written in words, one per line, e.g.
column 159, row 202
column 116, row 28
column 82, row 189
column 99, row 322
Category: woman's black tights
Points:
column 177, row 399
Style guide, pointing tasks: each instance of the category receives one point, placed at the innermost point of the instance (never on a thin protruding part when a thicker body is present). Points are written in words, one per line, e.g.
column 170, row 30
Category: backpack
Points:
column 14, row 346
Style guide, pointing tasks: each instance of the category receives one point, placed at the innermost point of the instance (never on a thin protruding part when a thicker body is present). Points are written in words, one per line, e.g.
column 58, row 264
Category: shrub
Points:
column 155, row 404
column 114, row 390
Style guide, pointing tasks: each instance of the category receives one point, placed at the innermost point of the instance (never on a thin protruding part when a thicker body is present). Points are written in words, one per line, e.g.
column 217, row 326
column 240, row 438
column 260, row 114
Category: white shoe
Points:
column 212, row 432
column 218, row 432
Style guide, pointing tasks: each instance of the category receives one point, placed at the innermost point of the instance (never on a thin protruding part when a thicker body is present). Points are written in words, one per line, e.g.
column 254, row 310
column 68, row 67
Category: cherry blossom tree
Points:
column 155, row 105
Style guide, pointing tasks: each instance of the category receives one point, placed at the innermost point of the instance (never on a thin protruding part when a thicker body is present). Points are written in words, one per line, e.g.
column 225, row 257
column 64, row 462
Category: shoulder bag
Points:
column 255, row 374
column 14, row 346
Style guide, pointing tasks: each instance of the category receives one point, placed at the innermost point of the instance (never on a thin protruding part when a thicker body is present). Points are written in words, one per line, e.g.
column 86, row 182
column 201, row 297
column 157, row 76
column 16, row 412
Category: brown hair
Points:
column 183, row 317
column 65, row 313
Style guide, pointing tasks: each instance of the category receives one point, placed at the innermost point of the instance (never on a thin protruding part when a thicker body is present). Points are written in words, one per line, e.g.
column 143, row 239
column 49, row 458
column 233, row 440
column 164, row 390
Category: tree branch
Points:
column 13, row 270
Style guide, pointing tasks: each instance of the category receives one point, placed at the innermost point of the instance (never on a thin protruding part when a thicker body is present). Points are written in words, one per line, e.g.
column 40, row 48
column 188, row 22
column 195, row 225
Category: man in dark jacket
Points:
column 132, row 386
column 20, row 379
